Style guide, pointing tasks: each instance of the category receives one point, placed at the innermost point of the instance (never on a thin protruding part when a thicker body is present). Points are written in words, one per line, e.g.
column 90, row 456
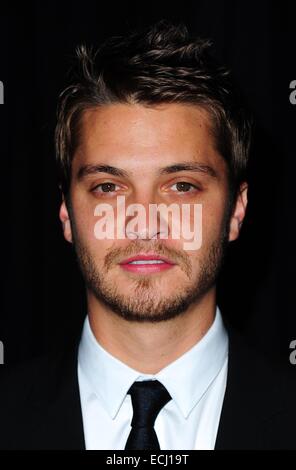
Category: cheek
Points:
column 212, row 222
column 85, row 231
column 85, row 219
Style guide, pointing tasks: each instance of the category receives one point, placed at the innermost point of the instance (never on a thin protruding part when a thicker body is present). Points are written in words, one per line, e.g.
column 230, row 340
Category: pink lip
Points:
column 146, row 268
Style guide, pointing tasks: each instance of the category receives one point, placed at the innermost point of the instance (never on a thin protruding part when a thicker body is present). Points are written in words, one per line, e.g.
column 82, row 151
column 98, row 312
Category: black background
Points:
column 42, row 294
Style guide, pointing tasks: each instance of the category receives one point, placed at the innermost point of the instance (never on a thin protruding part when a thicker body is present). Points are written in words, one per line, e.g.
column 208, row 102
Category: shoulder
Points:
column 34, row 397
column 29, row 377
column 259, row 406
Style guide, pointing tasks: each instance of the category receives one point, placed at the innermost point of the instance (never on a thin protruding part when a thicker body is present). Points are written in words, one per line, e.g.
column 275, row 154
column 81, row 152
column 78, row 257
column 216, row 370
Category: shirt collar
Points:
column 186, row 379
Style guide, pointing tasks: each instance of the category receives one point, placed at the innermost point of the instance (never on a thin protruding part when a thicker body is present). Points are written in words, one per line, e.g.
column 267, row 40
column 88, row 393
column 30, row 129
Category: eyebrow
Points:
column 87, row 170
column 94, row 169
column 196, row 167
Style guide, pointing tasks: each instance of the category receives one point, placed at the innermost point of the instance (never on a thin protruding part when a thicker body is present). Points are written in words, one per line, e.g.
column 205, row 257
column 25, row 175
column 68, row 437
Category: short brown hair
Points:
column 160, row 64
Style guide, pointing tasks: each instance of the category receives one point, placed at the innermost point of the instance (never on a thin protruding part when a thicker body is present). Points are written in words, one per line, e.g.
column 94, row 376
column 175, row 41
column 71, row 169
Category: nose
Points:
column 145, row 234
column 144, row 221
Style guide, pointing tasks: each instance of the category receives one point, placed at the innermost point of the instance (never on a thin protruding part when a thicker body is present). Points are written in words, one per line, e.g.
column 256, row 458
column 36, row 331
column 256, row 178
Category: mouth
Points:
column 146, row 264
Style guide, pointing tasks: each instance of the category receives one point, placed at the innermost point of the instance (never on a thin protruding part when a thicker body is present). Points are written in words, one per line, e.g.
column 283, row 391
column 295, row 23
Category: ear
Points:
column 66, row 223
column 239, row 212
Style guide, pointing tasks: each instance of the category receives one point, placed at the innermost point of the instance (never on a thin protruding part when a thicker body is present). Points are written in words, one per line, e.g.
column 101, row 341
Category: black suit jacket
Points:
column 40, row 404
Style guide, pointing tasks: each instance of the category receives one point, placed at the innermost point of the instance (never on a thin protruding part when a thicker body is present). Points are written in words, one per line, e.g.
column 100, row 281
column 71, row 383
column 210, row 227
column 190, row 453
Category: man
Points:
column 150, row 121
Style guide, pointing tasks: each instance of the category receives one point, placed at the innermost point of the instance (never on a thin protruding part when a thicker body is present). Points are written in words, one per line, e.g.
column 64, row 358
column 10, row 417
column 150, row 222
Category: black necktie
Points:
column 148, row 398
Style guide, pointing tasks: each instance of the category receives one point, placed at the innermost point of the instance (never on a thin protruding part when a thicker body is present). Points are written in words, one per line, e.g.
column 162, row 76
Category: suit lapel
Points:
column 56, row 418
column 250, row 396
column 251, row 392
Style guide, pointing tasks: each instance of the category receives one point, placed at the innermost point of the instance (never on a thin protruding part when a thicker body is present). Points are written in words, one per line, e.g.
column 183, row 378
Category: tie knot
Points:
column 148, row 398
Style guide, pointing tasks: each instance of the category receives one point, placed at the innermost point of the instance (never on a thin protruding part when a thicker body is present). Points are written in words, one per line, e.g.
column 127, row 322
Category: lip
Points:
column 146, row 257
column 147, row 268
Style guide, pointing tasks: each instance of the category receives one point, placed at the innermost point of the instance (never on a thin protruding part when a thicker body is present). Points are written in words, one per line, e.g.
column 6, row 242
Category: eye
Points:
column 184, row 187
column 105, row 187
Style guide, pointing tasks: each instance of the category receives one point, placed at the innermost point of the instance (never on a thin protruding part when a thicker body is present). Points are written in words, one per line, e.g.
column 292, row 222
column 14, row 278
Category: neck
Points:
column 149, row 347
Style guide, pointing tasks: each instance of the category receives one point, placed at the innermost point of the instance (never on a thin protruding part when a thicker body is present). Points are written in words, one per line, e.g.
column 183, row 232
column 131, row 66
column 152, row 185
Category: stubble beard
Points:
column 146, row 303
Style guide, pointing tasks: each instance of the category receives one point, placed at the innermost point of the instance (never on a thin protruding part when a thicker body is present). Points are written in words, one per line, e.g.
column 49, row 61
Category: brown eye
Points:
column 105, row 187
column 108, row 187
column 183, row 187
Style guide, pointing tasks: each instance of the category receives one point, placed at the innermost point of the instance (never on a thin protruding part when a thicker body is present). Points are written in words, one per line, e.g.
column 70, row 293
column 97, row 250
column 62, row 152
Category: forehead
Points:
column 136, row 134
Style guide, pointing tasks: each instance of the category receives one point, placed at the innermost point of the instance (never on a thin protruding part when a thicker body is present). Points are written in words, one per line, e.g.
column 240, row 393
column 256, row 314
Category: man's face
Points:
column 150, row 155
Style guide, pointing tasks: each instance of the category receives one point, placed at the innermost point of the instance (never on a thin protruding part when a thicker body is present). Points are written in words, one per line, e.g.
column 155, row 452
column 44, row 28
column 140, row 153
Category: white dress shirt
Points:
column 196, row 382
